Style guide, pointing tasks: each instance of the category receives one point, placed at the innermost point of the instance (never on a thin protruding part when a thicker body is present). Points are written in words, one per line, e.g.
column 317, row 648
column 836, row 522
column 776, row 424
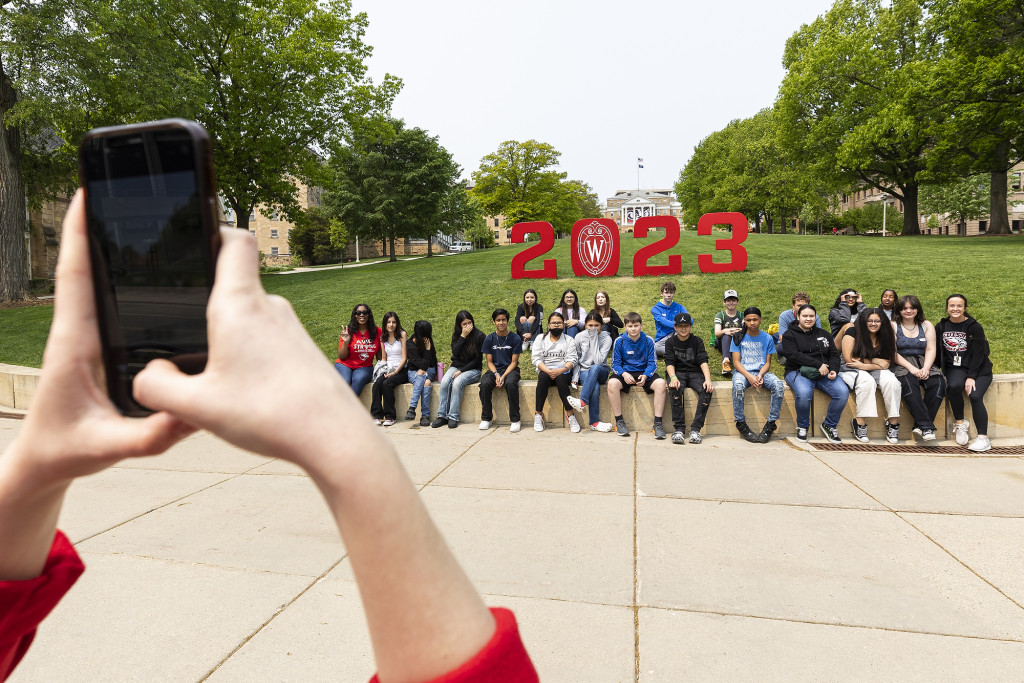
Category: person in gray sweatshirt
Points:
column 592, row 346
column 554, row 355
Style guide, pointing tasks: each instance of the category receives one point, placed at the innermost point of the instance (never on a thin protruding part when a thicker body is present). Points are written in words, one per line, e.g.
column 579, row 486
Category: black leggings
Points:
column 955, row 379
column 561, row 383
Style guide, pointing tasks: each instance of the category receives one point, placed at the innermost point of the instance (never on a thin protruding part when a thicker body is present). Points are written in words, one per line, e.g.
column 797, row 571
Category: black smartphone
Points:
column 151, row 208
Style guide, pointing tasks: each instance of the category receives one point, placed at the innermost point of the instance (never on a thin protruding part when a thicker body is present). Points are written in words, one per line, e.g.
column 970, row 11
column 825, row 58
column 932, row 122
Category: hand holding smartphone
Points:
column 151, row 210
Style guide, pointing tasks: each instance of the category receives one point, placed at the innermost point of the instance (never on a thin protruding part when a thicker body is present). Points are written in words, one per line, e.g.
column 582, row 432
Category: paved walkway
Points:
column 361, row 264
column 624, row 558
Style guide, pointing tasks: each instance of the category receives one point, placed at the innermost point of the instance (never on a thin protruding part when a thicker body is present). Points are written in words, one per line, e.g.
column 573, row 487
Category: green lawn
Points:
column 986, row 270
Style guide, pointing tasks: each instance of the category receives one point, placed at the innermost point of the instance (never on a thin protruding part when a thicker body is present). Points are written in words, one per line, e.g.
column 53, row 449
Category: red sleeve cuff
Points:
column 502, row 660
column 23, row 604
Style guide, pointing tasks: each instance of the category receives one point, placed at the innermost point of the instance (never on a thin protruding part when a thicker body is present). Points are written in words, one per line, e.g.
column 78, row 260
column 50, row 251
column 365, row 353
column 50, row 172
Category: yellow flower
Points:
column 773, row 328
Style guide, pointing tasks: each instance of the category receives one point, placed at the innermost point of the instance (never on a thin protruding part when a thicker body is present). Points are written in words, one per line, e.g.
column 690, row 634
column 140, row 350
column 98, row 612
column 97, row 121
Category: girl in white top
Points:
column 554, row 355
column 868, row 355
column 382, row 401
column 572, row 313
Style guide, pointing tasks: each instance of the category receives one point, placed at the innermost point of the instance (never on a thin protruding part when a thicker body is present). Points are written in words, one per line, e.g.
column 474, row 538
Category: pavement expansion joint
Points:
column 868, row 627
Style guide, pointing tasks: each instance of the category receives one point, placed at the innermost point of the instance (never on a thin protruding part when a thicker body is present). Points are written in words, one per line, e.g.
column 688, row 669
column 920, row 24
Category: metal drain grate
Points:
column 876, row 448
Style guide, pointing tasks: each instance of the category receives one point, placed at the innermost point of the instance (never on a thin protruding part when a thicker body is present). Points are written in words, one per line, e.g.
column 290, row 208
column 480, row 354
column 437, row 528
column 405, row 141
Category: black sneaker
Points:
column 801, row 434
column 766, row 432
column 892, row 432
column 659, row 430
column 424, row 420
column 745, row 432
column 860, row 432
column 620, row 427
column 410, row 414
column 830, row 434
column 439, row 422
column 452, row 424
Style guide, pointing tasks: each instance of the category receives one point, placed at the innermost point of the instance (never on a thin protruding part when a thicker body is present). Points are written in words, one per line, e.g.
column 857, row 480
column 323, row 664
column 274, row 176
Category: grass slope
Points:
column 986, row 270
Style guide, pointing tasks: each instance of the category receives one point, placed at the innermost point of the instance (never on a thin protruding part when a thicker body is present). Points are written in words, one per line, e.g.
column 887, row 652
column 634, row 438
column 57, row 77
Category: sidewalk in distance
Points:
column 739, row 561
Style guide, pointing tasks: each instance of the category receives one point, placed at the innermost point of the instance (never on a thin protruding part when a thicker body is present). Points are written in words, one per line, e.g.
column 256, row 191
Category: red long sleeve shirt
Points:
column 24, row 604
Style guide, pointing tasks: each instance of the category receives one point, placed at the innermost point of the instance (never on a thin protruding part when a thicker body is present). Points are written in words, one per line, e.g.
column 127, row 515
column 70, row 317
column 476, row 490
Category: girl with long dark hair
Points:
column 529, row 317
column 395, row 355
column 421, row 366
column 610, row 320
column 572, row 313
column 916, row 367
column 554, row 355
column 868, row 354
column 358, row 348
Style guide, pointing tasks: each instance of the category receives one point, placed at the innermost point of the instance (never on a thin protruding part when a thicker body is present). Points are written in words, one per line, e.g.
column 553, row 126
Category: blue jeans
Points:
column 421, row 392
column 592, row 378
column 451, row 391
column 803, row 392
column 572, row 330
column 357, row 378
column 739, row 389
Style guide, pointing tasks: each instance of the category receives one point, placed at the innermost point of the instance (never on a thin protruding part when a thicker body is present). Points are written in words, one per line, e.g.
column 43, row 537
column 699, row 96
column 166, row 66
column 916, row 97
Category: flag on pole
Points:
column 639, row 162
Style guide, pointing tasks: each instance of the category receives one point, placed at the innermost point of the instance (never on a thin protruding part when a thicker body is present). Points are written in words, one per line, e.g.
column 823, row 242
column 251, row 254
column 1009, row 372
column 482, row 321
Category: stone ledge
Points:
column 1004, row 400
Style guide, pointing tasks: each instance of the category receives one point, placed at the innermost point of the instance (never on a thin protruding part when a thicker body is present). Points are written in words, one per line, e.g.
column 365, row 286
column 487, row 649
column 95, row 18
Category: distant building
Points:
column 629, row 205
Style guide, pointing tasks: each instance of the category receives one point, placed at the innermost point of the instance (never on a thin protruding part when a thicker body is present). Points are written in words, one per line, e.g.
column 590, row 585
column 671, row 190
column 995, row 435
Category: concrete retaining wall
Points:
column 1004, row 400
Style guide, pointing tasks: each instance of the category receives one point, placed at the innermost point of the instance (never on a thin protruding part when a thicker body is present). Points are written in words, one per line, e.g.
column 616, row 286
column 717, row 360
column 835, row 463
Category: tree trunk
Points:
column 13, row 263
column 391, row 241
column 769, row 223
column 911, row 221
column 757, row 222
column 998, row 219
column 430, row 248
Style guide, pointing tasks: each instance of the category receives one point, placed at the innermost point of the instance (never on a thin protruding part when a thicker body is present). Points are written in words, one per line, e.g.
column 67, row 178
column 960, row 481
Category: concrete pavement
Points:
column 624, row 559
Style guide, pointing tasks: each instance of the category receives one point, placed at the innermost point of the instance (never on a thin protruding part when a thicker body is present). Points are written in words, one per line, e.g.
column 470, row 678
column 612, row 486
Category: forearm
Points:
column 28, row 518
column 425, row 617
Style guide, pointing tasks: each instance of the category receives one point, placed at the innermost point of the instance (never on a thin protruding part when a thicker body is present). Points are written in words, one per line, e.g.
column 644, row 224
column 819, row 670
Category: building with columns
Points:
column 628, row 205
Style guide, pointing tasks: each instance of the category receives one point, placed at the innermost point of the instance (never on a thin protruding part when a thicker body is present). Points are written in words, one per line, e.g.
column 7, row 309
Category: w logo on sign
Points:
column 595, row 248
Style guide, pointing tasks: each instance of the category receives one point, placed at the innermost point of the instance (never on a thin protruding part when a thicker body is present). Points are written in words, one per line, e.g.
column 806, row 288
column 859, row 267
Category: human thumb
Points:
column 162, row 386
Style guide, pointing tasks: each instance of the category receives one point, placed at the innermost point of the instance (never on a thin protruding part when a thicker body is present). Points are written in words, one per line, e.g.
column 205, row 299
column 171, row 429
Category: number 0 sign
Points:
column 594, row 246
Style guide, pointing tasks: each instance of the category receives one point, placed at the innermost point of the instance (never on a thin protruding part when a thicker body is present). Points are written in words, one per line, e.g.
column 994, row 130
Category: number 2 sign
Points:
column 594, row 246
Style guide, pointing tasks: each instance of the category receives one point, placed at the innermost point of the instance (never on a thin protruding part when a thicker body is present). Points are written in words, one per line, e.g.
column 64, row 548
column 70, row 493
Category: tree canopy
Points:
column 519, row 181
column 275, row 83
column 391, row 182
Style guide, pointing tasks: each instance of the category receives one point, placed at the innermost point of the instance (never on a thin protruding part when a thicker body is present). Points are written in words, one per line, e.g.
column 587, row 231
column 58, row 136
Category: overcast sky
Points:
column 603, row 82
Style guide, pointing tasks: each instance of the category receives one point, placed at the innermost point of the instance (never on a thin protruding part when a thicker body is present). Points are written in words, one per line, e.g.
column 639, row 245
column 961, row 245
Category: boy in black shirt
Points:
column 686, row 364
column 501, row 349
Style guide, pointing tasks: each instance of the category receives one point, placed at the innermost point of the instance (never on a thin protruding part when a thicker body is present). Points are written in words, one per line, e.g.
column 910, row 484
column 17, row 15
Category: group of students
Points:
column 891, row 348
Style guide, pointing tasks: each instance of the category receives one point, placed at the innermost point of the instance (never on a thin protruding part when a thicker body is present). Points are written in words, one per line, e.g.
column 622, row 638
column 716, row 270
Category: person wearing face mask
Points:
column 610, row 320
column 592, row 347
column 968, row 369
column 554, row 356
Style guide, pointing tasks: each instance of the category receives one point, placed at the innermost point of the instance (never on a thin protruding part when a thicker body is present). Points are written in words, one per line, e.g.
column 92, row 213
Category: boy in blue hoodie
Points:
column 634, row 364
column 665, row 312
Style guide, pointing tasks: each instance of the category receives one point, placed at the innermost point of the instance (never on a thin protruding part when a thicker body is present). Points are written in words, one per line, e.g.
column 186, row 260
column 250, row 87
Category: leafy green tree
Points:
column 461, row 212
column 480, row 234
column 316, row 238
column 848, row 104
column 519, row 181
column 978, row 86
column 391, row 183
column 271, row 81
column 963, row 199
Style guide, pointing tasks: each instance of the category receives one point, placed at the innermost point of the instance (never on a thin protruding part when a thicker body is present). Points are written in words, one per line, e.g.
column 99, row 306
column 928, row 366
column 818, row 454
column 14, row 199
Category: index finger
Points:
column 238, row 264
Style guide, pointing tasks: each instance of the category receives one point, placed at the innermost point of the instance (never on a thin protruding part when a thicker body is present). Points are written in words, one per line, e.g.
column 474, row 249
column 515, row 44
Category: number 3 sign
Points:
column 595, row 247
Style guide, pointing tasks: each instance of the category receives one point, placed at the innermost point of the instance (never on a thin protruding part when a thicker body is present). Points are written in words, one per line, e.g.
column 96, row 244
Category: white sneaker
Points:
column 981, row 444
column 601, row 426
column 485, row 424
column 574, row 426
column 918, row 432
column 538, row 423
column 928, row 435
column 961, row 433
column 576, row 403
column 516, row 426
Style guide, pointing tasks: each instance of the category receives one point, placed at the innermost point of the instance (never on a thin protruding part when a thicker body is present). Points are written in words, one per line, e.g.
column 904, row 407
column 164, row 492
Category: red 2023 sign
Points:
column 595, row 247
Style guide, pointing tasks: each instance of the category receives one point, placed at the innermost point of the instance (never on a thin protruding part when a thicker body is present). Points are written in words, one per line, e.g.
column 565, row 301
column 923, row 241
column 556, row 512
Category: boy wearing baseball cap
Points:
column 686, row 364
column 728, row 324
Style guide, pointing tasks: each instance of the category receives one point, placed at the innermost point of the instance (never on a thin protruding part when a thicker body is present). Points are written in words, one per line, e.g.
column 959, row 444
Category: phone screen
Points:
column 151, row 252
